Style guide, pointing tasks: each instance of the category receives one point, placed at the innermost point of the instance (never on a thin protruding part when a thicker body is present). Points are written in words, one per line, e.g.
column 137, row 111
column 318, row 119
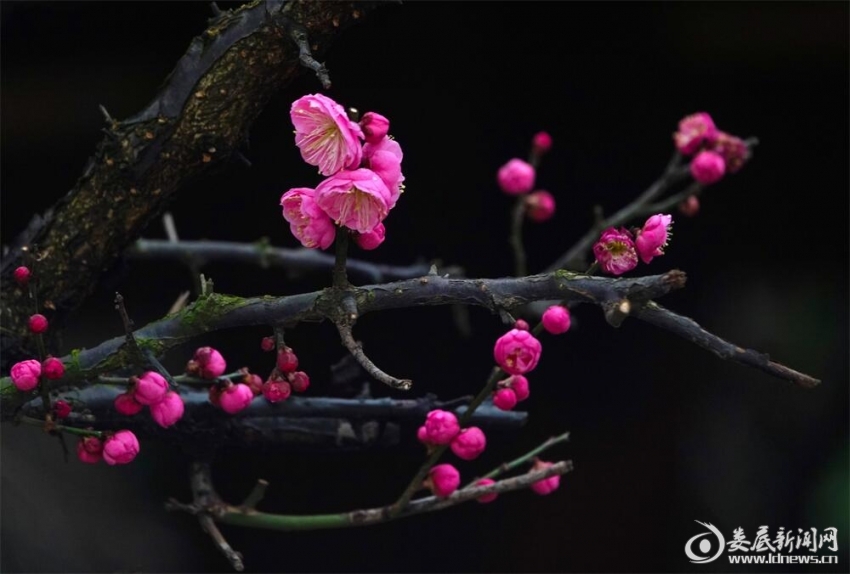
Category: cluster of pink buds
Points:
column 715, row 152
column 516, row 352
column 442, row 428
column 26, row 375
column 118, row 448
column 285, row 378
column 517, row 177
column 151, row 390
column 362, row 165
column 617, row 250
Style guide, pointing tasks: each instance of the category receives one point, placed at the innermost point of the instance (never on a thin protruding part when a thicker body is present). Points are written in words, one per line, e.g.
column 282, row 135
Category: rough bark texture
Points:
column 198, row 120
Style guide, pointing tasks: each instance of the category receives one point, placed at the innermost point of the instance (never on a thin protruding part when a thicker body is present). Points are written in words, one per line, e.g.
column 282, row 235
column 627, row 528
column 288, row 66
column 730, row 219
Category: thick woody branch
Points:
column 198, row 120
column 260, row 253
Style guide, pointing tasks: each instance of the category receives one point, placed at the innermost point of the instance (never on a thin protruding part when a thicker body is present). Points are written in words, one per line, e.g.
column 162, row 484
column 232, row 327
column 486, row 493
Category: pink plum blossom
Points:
column 374, row 126
column 615, row 251
column 486, row 497
column 384, row 158
column 25, row 374
column 150, row 388
column 519, row 385
column 207, row 363
column 235, row 398
column 357, row 199
column 372, row 239
column 90, row 450
column 504, row 399
column 307, row 222
column 444, row 480
column 547, row 485
column 469, row 443
column 325, row 135
column 708, row 167
column 652, row 239
column 441, row 426
column 733, row 150
column 540, row 206
column 22, row 275
column 556, row 319
column 38, row 323
column 120, row 448
column 127, row 405
column 693, row 131
column 517, row 351
column 169, row 410
column 516, row 177
column 53, row 368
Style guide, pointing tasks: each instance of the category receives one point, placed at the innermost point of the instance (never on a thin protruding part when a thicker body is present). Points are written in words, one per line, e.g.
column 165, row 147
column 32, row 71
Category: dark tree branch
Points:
column 260, row 253
column 356, row 350
column 197, row 121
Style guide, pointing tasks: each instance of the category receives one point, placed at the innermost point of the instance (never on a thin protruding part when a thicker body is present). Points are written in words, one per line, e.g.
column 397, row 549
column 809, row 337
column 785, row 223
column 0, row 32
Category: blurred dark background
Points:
column 663, row 433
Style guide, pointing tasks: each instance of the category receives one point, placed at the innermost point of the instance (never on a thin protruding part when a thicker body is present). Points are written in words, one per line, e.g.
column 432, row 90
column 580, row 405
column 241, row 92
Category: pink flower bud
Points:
column 299, row 380
column 422, row 435
column 441, row 426
column 150, row 388
column 504, row 399
column 62, row 409
column 53, row 368
column 693, row 131
column 358, row 199
column 486, row 497
column 374, row 126
column 615, row 251
column 207, row 363
column 372, row 239
column 25, row 374
column 127, row 405
column 287, row 361
column 254, row 382
column 267, row 344
column 90, row 450
column 38, row 323
column 276, row 390
column 556, row 319
column 653, row 237
column 120, row 448
column 547, row 485
column 22, row 275
column 689, row 207
column 517, row 351
column 540, row 206
column 169, row 410
column 384, row 159
column 307, row 222
column 519, row 385
column 521, row 325
column 469, row 444
column 444, row 480
column 708, row 167
column 324, row 134
column 236, row 398
column 733, row 150
column 541, row 143
column 516, row 177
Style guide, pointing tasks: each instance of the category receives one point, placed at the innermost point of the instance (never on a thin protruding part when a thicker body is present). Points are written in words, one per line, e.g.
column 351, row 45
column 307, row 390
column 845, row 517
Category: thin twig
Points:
column 298, row 34
column 253, row 499
column 356, row 350
column 509, row 466
column 206, row 498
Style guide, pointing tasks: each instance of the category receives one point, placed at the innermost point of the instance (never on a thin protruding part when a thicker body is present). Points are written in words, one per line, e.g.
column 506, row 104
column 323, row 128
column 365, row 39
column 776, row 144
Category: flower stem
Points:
column 60, row 428
column 508, row 466
column 520, row 265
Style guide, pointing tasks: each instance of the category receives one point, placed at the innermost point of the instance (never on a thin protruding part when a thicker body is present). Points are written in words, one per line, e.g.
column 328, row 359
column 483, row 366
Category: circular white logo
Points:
column 704, row 546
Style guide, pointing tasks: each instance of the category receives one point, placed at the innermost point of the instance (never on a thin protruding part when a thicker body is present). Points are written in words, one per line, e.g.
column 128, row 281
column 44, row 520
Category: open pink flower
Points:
column 615, row 251
column 120, row 448
column 169, row 410
column 384, row 158
column 652, row 239
column 693, row 131
column 308, row 223
column 357, row 199
column 25, row 374
column 517, row 351
column 444, row 480
column 325, row 135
